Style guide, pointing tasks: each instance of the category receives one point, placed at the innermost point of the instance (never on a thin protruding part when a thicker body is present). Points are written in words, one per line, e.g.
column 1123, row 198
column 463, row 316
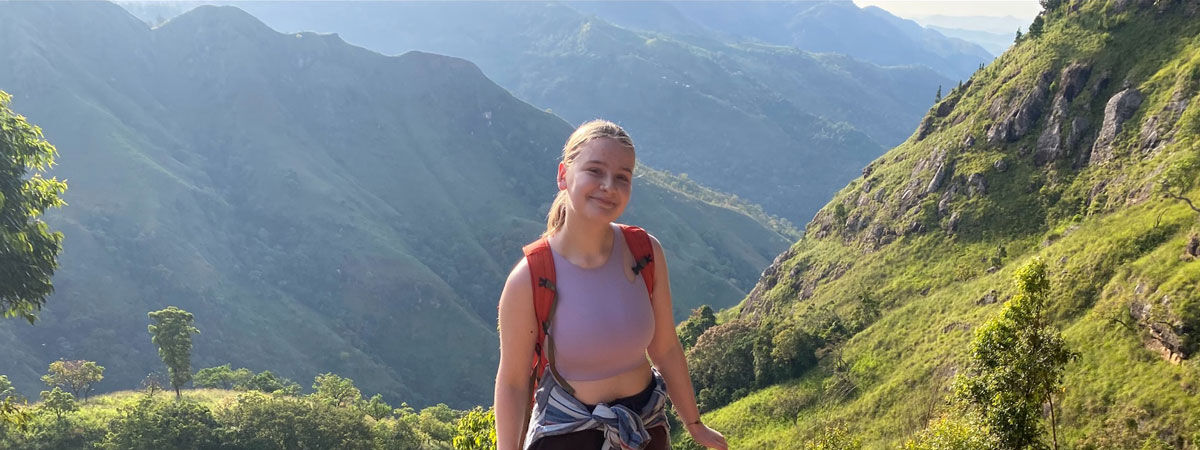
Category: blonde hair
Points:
column 594, row 129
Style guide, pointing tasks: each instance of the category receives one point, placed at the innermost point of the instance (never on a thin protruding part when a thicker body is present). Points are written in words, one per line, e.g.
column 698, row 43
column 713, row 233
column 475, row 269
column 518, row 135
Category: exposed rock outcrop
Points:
column 1163, row 335
column 1050, row 146
column 939, row 174
column 946, row 106
column 1020, row 116
column 990, row 297
column 976, row 185
column 952, row 224
column 1158, row 129
column 1119, row 109
column 755, row 303
column 1000, row 165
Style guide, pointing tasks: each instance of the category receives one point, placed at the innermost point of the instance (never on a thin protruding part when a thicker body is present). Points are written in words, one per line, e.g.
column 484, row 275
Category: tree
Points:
column 222, row 377
column 1179, row 178
column 1017, row 364
column 1018, row 38
column 172, row 334
column 697, row 323
column 79, row 376
column 6, row 387
column 28, row 249
column 938, row 96
column 153, row 383
column 722, row 363
column 1035, row 27
column 336, row 390
column 270, row 383
column 476, row 430
column 12, row 414
column 59, row 402
column 376, row 407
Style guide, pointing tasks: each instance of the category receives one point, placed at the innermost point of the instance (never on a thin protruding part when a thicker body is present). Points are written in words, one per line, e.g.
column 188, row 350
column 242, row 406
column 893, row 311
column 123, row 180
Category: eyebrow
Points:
column 596, row 161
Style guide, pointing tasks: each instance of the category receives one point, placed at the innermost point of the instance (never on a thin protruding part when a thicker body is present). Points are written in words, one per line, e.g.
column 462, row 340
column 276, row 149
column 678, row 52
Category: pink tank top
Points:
column 603, row 322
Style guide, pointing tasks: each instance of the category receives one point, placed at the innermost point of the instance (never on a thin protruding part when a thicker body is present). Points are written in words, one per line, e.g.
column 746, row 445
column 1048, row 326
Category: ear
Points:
column 562, row 176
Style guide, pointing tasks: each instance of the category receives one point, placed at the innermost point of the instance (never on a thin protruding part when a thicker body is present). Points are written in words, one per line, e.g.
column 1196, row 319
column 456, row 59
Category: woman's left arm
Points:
column 667, row 355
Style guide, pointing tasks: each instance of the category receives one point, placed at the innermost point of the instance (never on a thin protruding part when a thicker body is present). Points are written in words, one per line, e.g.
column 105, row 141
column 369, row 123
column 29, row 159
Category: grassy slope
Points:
column 1104, row 251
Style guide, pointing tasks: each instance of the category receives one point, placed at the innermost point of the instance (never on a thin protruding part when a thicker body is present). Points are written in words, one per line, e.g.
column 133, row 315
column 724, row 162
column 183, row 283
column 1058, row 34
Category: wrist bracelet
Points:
column 696, row 422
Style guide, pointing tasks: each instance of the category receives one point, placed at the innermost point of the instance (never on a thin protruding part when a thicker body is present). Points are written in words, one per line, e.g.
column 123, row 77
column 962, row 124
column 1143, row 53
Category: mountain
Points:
column 1079, row 146
column 775, row 125
column 318, row 206
column 836, row 26
column 991, row 24
column 994, row 43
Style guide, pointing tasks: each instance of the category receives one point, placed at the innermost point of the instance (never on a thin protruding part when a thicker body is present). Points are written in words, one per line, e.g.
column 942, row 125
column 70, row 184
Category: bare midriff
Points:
column 605, row 390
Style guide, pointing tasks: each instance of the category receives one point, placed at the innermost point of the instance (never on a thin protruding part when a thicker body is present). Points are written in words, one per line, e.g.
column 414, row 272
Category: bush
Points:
column 270, row 383
column 151, row 424
column 222, row 377
column 959, row 432
column 272, row 422
column 476, row 430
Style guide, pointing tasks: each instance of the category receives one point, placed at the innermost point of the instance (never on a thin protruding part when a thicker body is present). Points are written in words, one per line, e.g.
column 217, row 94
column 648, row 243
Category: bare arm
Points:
column 667, row 355
column 518, row 334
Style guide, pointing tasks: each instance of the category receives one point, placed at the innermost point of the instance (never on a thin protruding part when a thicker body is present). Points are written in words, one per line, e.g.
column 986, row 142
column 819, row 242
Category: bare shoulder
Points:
column 518, row 283
column 659, row 255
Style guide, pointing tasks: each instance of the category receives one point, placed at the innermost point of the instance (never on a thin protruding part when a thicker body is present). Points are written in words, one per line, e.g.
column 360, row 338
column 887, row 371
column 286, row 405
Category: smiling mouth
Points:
column 605, row 203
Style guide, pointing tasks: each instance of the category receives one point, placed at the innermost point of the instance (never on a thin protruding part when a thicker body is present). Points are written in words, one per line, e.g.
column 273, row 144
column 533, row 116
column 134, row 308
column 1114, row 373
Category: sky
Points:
column 911, row 9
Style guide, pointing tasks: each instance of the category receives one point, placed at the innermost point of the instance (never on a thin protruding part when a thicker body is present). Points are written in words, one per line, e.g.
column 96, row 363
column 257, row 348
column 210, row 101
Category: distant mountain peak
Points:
column 221, row 20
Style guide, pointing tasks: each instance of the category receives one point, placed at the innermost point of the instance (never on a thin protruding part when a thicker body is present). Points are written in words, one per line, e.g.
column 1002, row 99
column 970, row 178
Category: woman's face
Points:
column 599, row 181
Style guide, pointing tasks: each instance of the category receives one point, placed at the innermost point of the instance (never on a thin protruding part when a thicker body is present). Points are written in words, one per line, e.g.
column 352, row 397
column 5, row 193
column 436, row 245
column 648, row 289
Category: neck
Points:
column 583, row 240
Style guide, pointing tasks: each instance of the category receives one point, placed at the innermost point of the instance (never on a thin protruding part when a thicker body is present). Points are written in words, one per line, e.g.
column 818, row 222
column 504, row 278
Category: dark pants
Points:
column 594, row 439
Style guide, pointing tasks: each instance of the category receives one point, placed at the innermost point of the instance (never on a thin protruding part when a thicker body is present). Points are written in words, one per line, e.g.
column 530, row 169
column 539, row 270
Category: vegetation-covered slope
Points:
column 317, row 206
column 1075, row 147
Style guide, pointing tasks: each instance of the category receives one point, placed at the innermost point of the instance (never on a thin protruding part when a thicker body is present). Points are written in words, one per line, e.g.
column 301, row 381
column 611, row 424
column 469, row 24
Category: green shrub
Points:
column 150, row 424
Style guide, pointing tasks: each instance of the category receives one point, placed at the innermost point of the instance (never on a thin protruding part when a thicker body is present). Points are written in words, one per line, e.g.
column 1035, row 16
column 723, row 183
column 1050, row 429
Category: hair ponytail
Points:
column 597, row 128
column 557, row 215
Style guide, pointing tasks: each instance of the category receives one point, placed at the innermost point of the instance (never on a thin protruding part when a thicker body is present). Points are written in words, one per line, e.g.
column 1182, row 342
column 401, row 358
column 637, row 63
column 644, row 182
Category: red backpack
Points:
column 541, row 274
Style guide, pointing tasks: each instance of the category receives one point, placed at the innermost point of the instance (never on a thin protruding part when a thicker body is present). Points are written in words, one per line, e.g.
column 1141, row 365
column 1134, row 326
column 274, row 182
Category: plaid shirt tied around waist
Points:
column 558, row 412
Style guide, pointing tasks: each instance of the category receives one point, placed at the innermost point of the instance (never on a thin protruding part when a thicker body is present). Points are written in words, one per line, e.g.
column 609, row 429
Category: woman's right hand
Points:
column 707, row 437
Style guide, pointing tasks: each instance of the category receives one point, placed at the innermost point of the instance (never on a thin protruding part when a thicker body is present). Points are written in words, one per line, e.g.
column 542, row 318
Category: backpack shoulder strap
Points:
column 642, row 249
column 541, row 274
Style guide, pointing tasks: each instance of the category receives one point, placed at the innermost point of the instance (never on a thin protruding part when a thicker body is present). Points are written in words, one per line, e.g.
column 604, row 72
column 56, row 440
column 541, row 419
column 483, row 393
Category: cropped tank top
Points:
column 602, row 321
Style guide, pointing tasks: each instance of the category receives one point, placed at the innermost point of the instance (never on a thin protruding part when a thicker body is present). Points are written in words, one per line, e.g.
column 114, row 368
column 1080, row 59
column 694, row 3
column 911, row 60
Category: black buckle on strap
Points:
column 637, row 268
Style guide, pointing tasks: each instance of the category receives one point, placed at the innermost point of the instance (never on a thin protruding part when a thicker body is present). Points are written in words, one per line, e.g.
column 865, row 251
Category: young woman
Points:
column 604, row 393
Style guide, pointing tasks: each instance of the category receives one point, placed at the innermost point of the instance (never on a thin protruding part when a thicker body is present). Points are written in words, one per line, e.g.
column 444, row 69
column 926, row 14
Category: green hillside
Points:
column 1064, row 149
column 317, row 206
column 776, row 125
